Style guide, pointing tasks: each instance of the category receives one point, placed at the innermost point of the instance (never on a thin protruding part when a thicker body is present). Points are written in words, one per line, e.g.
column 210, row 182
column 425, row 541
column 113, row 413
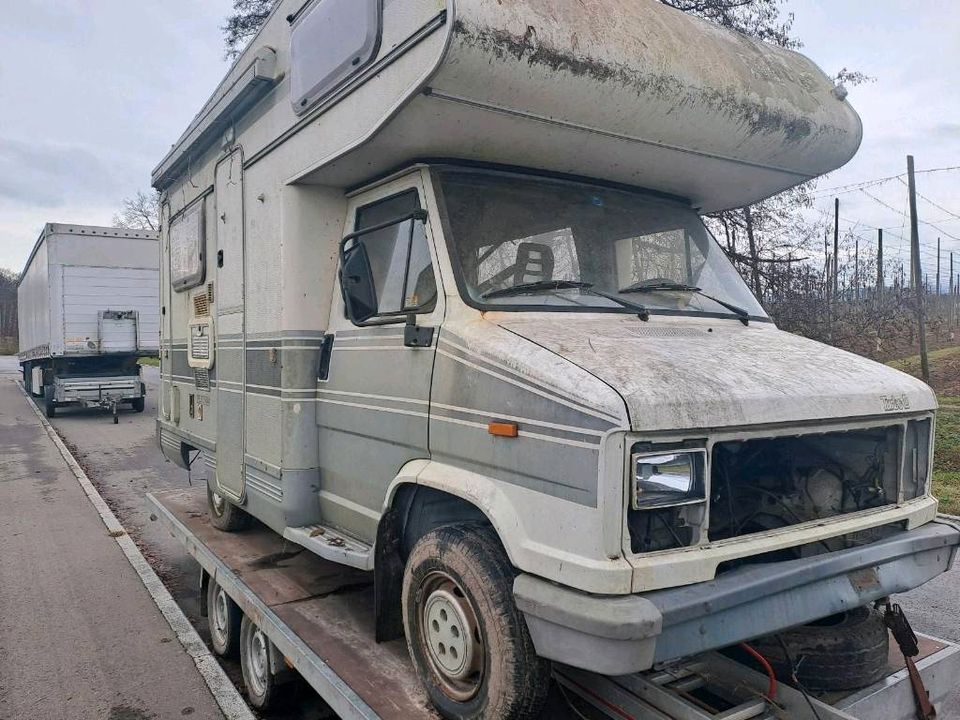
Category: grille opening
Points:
column 769, row 483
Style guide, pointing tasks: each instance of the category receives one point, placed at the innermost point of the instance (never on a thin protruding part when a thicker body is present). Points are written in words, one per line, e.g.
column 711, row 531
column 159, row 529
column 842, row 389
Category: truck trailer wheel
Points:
column 49, row 404
column 468, row 641
column 224, row 515
column 256, row 664
column 223, row 618
column 137, row 404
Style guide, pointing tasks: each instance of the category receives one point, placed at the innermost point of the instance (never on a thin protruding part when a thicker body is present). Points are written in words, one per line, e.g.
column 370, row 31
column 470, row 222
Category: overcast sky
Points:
column 93, row 92
column 912, row 48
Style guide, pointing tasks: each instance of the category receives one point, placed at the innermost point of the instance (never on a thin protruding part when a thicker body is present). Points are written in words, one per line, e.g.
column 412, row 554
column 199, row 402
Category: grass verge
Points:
column 945, row 380
column 946, row 459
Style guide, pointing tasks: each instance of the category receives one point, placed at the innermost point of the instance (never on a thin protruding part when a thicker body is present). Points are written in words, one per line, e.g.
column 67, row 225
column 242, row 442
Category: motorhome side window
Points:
column 186, row 248
column 400, row 265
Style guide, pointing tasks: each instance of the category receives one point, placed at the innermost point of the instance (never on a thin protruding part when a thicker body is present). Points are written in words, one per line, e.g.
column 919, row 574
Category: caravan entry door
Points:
column 231, row 344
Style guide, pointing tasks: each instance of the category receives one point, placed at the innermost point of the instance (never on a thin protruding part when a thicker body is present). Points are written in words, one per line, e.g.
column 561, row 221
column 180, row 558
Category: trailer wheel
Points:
column 468, row 641
column 224, row 515
column 137, row 404
column 223, row 618
column 49, row 404
column 255, row 662
column 847, row 651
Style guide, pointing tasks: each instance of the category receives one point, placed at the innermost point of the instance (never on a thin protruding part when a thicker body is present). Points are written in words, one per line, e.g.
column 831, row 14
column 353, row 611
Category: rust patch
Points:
column 758, row 119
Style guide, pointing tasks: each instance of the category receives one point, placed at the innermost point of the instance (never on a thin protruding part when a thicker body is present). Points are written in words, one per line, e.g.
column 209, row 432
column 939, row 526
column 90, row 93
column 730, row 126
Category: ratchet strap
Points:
column 899, row 627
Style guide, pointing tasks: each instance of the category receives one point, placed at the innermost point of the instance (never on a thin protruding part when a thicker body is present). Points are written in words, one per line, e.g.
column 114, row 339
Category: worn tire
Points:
column 511, row 681
column 223, row 620
column 224, row 515
column 137, row 404
column 258, row 678
column 846, row 651
column 49, row 404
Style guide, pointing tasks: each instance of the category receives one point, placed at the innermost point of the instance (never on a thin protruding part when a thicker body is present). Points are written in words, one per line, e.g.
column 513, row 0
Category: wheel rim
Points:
column 450, row 636
column 259, row 656
column 218, row 503
column 221, row 617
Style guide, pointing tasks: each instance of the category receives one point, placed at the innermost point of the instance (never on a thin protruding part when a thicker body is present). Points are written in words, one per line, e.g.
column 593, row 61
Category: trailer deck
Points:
column 320, row 616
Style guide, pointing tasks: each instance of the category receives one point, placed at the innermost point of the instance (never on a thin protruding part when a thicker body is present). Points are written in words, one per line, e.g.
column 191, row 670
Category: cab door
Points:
column 374, row 389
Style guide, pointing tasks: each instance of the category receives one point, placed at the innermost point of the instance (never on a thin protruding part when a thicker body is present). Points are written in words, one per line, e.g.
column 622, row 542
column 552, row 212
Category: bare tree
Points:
column 757, row 18
column 247, row 17
column 140, row 212
column 8, row 311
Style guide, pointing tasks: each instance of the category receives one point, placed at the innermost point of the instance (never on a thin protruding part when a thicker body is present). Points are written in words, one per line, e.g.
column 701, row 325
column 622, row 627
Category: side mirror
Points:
column 356, row 283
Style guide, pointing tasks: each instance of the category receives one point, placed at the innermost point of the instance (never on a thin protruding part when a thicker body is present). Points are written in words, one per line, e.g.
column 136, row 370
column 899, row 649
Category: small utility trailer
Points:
column 319, row 619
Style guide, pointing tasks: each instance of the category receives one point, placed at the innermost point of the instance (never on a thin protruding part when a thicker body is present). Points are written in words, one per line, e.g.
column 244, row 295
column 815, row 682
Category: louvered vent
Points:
column 201, row 305
column 201, row 378
column 210, row 293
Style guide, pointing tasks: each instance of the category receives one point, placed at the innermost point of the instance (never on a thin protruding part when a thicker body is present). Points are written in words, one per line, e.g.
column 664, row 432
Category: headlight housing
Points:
column 667, row 478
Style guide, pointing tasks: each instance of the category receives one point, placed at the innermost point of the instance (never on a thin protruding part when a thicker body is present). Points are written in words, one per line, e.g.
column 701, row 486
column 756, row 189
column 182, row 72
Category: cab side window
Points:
column 399, row 257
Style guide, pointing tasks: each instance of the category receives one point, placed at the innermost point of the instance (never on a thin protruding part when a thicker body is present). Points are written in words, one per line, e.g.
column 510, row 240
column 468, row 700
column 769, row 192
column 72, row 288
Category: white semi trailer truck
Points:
column 88, row 309
column 438, row 306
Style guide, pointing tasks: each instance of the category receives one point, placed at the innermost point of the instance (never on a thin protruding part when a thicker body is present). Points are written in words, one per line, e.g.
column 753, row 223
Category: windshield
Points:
column 528, row 243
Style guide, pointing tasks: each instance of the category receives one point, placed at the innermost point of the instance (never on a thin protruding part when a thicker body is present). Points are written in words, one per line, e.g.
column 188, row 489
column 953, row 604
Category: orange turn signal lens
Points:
column 503, row 429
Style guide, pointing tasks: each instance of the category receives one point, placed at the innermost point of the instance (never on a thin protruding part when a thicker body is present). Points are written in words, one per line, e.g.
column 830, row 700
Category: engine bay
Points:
column 764, row 484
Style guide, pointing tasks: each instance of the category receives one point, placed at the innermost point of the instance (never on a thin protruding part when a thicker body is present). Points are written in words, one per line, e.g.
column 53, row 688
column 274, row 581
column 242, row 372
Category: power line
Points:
column 878, row 181
column 922, row 222
column 937, row 206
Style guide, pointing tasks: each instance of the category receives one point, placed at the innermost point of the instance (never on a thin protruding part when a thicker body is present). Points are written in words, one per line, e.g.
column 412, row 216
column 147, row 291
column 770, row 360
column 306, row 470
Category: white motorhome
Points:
column 437, row 303
column 88, row 307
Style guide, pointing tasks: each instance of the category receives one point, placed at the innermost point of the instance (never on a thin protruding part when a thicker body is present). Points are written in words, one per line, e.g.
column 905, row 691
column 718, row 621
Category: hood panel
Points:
column 693, row 373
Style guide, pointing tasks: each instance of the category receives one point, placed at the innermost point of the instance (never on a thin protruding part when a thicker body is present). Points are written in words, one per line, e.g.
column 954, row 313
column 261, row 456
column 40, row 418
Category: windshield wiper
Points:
column 533, row 287
column 545, row 285
column 644, row 287
column 641, row 310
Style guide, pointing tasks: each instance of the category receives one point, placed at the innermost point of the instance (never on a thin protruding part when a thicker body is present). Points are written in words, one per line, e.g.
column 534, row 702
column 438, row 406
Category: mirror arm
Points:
column 415, row 336
column 415, row 215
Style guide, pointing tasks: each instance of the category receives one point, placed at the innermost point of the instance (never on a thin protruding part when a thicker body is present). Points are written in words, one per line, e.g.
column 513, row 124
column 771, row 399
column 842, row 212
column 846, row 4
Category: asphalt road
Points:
column 80, row 636
column 124, row 463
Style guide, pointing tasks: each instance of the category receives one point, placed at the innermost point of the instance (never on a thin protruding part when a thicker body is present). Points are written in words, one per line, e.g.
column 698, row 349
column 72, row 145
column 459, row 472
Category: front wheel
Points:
column 469, row 643
column 137, row 404
column 224, row 515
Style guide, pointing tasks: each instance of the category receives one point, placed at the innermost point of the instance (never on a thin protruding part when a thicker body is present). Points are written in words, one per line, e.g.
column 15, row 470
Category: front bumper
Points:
column 616, row 635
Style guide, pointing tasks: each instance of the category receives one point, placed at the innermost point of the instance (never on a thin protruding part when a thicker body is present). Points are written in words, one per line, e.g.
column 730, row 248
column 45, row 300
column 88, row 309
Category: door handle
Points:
column 326, row 350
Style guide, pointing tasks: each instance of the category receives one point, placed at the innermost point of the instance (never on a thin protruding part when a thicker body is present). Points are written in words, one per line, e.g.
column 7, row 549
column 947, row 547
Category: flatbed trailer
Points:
column 320, row 617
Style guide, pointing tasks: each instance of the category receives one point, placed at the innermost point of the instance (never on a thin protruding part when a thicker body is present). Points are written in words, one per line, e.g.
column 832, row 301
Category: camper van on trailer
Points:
column 437, row 303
